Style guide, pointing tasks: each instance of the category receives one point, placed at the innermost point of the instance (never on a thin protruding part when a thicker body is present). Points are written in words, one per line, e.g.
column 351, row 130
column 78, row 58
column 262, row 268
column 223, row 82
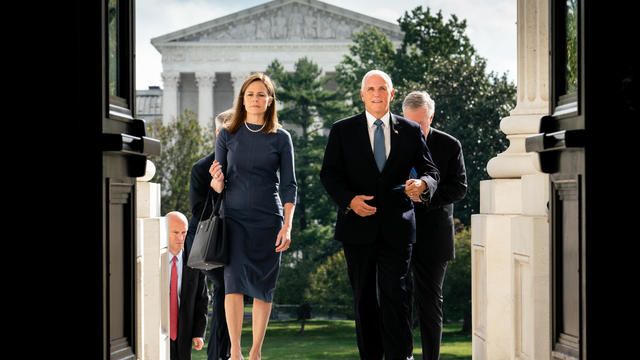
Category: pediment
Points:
column 282, row 20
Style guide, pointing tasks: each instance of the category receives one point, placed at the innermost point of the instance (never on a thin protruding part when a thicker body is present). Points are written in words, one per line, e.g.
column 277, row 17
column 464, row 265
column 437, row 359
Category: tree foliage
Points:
column 307, row 109
column 428, row 38
column 183, row 143
column 371, row 50
column 307, row 106
column 330, row 289
column 437, row 57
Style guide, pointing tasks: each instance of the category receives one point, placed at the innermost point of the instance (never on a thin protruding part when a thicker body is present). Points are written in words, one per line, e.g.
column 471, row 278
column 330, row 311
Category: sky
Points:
column 491, row 26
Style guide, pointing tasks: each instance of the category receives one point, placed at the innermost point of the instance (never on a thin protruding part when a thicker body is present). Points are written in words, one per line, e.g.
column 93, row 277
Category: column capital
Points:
column 237, row 78
column 205, row 79
column 533, row 57
column 532, row 92
column 170, row 79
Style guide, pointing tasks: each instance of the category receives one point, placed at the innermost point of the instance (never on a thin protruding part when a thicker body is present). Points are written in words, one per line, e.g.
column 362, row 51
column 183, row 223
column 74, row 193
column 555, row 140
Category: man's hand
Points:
column 413, row 188
column 360, row 207
column 197, row 343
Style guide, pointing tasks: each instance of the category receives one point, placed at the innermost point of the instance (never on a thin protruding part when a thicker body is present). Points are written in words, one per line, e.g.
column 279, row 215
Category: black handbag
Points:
column 210, row 247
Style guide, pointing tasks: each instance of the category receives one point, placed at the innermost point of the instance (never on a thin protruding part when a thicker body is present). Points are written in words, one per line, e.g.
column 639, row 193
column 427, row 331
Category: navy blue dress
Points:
column 257, row 167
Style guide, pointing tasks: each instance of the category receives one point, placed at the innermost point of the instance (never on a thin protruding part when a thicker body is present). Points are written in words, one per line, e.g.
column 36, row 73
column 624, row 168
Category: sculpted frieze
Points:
column 292, row 22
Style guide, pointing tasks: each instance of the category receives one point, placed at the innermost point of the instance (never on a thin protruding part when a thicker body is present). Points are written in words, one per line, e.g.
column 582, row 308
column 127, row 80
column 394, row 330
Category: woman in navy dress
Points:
column 254, row 160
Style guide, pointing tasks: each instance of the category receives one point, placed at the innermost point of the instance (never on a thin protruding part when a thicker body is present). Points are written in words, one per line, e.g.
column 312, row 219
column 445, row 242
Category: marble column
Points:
column 205, row 98
column 238, row 78
column 510, row 237
column 170, row 81
column 532, row 92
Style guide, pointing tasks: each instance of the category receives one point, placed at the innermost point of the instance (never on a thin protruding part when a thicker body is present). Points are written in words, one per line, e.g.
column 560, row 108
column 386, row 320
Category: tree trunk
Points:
column 466, row 324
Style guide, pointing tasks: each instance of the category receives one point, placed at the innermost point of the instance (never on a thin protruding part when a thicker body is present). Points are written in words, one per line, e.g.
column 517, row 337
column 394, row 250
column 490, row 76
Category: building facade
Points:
column 204, row 65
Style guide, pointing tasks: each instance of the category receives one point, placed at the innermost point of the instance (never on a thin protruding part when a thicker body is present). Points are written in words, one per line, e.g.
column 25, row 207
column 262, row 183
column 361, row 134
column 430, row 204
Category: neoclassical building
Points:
column 204, row 65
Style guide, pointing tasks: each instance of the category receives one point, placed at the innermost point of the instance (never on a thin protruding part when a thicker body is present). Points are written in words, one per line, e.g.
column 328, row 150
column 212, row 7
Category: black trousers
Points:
column 173, row 350
column 379, row 279
column 219, row 343
column 428, row 277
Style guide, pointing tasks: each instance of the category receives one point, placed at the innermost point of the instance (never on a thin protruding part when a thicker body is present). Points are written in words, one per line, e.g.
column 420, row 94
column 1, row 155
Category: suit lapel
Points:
column 363, row 137
column 185, row 257
column 394, row 134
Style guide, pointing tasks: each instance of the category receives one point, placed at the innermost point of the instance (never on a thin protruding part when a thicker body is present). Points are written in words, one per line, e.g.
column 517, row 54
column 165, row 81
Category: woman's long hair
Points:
column 240, row 113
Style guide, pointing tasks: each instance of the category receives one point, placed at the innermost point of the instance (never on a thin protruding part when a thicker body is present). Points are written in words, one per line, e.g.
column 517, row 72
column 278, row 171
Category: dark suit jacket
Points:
column 192, row 315
column 199, row 189
column 434, row 221
column 349, row 169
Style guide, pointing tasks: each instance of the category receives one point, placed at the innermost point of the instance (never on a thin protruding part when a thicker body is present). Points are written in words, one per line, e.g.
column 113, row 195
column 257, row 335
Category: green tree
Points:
column 438, row 57
column 456, row 290
column 307, row 108
column 307, row 105
column 469, row 105
column 428, row 38
column 330, row 289
column 371, row 50
column 183, row 143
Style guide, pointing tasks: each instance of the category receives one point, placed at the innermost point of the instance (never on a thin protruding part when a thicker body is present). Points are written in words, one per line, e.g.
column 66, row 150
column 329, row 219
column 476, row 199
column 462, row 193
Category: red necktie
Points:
column 174, row 300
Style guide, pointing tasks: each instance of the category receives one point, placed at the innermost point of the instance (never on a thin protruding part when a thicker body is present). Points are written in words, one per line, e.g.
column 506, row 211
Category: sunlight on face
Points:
column 376, row 96
column 177, row 234
column 256, row 98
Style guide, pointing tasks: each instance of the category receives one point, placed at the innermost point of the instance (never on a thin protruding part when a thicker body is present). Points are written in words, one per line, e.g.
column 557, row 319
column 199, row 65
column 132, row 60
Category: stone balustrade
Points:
column 152, row 271
column 510, row 237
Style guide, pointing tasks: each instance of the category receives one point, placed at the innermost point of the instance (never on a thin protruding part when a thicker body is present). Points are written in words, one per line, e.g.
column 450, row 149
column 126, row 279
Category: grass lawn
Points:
column 334, row 339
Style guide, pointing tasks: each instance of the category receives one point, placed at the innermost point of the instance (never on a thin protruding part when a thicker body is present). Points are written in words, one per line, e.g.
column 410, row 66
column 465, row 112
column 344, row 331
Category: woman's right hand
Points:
column 217, row 181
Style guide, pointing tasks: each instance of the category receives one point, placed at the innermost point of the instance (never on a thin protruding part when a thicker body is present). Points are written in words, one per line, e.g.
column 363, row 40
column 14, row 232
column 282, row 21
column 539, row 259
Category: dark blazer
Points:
column 192, row 315
column 198, row 190
column 434, row 221
column 349, row 169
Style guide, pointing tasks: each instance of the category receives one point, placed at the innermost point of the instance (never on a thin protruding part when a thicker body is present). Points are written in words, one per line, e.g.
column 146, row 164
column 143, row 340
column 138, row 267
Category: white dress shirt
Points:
column 179, row 268
column 385, row 128
column 387, row 136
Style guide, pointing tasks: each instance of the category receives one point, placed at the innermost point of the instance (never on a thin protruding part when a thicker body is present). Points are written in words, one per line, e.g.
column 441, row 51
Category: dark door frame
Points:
column 587, row 146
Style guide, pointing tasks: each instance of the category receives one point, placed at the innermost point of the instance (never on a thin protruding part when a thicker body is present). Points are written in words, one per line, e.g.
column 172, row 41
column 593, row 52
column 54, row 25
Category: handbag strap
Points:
column 216, row 209
column 205, row 204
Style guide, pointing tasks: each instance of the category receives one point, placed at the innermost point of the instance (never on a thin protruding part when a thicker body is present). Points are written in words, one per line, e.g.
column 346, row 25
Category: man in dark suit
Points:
column 188, row 298
column 219, row 346
column 366, row 170
column 435, row 230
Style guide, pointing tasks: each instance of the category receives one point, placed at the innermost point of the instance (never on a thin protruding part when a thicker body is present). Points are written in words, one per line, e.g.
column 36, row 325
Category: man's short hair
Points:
column 223, row 118
column 380, row 73
column 418, row 99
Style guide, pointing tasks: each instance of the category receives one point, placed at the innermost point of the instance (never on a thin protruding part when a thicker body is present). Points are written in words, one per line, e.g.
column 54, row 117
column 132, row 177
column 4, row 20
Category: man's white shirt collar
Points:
column 178, row 260
column 371, row 119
